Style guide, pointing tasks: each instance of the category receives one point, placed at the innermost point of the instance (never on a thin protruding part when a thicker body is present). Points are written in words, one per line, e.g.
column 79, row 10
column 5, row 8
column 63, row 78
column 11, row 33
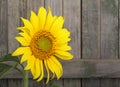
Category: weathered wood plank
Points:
column 109, row 35
column 119, row 35
column 90, row 36
column 33, row 83
column 109, row 28
column 72, row 14
column 55, row 82
column 90, row 29
column 72, row 82
column 33, row 5
column 3, row 27
column 110, row 82
column 56, row 6
column 92, row 68
column 91, row 82
column 3, row 83
column 87, row 69
column 15, row 83
column 13, row 22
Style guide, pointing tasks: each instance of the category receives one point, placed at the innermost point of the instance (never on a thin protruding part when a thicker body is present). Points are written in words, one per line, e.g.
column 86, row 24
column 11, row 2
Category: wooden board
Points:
column 87, row 69
column 90, row 36
column 109, row 35
column 3, row 27
column 71, row 12
column 90, row 29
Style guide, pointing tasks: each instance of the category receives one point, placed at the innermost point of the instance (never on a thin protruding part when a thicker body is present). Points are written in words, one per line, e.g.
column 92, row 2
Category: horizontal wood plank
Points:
column 86, row 68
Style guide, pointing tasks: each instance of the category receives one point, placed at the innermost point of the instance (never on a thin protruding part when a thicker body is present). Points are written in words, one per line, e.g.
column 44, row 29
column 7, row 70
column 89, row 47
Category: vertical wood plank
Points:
column 72, row 83
column 3, row 83
column 90, row 29
column 3, row 34
column 33, row 83
column 109, row 35
column 71, row 12
column 56, row 6
column 90, row 35
column 13, row 22
column 55, row 82
column 15, row 83
column 3, row 27
column 33, row 5
column 109, row 28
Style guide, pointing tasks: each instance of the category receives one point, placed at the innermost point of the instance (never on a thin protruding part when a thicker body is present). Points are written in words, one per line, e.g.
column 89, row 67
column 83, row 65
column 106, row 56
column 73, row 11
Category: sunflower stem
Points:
column 25, row 78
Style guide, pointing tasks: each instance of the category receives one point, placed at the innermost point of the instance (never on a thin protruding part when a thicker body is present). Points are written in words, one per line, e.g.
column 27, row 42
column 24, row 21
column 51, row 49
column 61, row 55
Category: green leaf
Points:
column 5, row 69
column 9, row 57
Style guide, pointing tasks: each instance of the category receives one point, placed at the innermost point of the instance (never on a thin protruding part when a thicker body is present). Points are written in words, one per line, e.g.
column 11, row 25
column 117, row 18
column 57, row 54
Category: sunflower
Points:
column 43, row 39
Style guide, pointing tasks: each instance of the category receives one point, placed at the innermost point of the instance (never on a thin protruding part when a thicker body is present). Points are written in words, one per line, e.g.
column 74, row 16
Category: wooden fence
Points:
column 95, row 33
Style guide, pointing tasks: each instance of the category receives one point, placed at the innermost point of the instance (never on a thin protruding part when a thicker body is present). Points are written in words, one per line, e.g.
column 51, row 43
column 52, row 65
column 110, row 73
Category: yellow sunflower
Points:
column 43, row 39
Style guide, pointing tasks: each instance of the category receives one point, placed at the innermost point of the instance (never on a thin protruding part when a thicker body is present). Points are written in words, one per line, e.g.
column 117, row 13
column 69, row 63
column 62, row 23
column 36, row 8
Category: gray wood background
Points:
column 94, row 26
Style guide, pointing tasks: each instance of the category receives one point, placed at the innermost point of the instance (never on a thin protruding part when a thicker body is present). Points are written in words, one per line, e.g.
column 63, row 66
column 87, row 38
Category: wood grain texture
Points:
column 13, row 22
column 33, row 83
column 54, row 82
column 33, row 5
column 56, row 6
column 90, row 37
column 109, row 28
column 71, row 12
column 90, row 29
column 3, row 27
column 72, row 83
column 3, row 83
column 109, row 35
column 15, row 83
column 86, row 68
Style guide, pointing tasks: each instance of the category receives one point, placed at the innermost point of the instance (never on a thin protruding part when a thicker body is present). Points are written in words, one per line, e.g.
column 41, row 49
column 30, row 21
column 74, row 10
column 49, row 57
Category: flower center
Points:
column 43, row 45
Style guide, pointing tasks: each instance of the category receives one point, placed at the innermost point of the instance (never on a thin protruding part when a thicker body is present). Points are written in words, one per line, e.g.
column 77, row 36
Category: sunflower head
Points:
column 43, row 39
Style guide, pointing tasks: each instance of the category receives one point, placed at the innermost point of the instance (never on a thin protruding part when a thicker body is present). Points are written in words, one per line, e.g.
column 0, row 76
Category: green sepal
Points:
column 9, row 57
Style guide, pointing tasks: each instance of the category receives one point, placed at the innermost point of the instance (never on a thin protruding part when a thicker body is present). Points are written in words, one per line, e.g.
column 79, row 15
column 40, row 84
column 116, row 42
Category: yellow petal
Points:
column 54, row 68
column 48, row 73
column 34, row 19
column 62, row 36
column 42, row 16
column 64, row 47
column 30, row 63
column 50, row 20
column 22, row 41
column 42, row 71
column 57, row 63
column 24, row 30
column 38, row 68
column 20, row 50
column 58, row 24
column 33, row 70
column 26, row 56
column 63, row 55
column 29, row 26
column 26, row 36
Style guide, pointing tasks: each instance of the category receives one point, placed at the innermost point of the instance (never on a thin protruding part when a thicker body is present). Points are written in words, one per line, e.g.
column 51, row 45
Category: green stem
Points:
column 25, row 78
